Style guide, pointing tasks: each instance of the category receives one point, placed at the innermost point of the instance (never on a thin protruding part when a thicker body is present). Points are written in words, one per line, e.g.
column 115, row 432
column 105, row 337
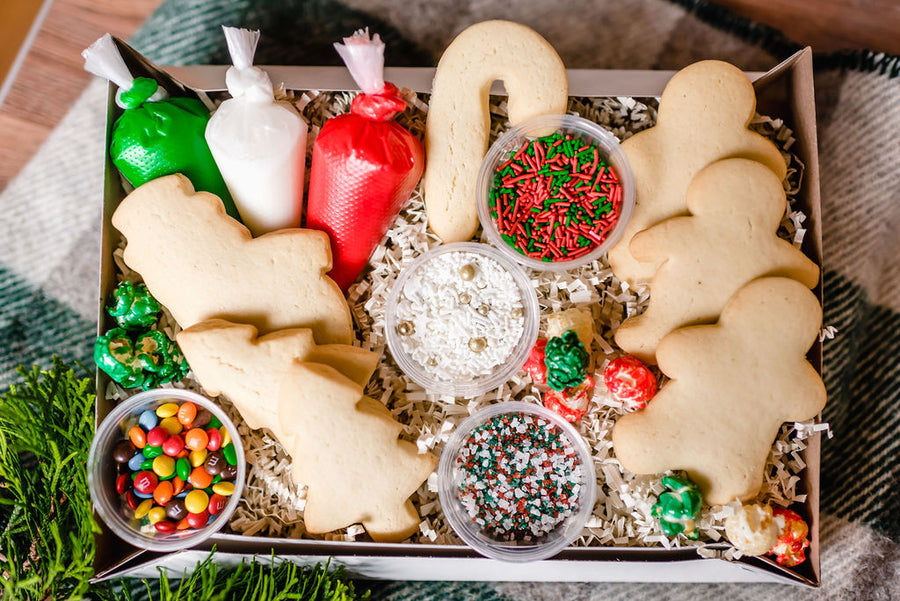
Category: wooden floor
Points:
column 52, row 76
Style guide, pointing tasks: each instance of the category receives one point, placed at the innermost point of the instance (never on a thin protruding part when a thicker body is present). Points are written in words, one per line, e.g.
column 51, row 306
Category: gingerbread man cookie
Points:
column 200, row 263
column 733, row 385
column 458, row 124
column 728, row 240
column 345, row 449
column 703, row 116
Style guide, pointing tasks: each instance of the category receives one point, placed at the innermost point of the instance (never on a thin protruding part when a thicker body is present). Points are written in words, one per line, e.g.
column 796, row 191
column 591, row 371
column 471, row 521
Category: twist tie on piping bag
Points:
column 364, row 57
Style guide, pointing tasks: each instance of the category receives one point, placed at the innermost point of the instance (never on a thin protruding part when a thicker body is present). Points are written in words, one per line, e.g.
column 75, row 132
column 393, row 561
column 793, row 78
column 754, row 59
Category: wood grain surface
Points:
column 52, row 76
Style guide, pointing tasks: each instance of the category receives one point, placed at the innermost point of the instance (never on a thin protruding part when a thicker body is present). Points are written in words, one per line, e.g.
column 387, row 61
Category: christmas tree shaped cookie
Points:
column 728, row 240
column 229, row 359
column 202, row 264
column 732, row 386
column 345, row 449
column 703, row 116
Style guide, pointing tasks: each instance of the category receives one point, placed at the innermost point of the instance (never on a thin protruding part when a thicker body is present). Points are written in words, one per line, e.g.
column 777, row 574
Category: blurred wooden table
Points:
column 52, row 76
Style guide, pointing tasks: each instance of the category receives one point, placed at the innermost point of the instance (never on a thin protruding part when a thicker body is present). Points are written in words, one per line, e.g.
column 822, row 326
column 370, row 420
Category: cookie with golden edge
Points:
column 704, row 112
column 347, row 452
column 732, row 385
column 202, row 264
column 729, row 239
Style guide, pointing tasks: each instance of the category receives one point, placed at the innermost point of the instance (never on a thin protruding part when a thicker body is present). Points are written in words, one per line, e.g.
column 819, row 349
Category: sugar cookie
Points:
column 201, row 264
column 229, row 359
column 732, row 386
column 345, row 449
column 458, row 123
column 728, row 240
column 703, row 116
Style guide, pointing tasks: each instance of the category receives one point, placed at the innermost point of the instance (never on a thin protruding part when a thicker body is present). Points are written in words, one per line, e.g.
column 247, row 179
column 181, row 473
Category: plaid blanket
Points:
column 49, row 231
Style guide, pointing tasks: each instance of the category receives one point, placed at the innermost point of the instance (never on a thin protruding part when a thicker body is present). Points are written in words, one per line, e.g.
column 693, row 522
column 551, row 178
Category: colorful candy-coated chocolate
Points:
column 215, row 461
column 229, row 472
column 131, row 500
column 143, row 508
column 157, row 436
column 572, row 403
column 138, row 437
column 186, row 413
column 217, row 478
column 164, row 492
column 214, row 422
column 156, row 515
column 147, row 464
column 230, row 453
column 183, row 468
column 164, row 526
column 790, row 547
column 183, row 525
column 123, row 483
column 226, row 437
column 198, row 457
column 164, row 466
column 202, row 418
column 216, row 504
column 196, row 439
column 148, row 420
column 175, row 509
column 198, row 520
column 177, row 485
column 215, row 439
column 630, row 381
column 143, row 495
column 145, row 482
column 226, row 489
column 171, row 425
column 173, row 446
column 200, row 478
column 167, row 410
column 196, row 501
column 134, row 464
column 123, row 451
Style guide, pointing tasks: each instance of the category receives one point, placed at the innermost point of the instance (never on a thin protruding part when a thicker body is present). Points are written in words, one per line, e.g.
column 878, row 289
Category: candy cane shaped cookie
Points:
column 458, row 125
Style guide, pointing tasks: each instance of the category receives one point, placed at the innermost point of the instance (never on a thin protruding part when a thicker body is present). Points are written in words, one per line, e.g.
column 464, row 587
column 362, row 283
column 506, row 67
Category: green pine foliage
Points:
column 46, row 522
column 46, row 527
column 256, row 581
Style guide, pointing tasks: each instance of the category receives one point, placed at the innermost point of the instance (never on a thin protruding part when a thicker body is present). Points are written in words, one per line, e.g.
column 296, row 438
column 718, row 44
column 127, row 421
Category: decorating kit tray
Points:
column 483, row 379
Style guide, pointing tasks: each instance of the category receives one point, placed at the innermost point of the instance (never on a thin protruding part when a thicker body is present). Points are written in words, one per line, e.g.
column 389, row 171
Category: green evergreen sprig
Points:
column 46, row 525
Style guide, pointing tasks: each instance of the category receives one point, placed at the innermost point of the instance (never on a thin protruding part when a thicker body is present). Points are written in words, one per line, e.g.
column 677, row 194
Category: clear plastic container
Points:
column 101, row 469
column 556, row 540
column 474, row 386
column 581, row 129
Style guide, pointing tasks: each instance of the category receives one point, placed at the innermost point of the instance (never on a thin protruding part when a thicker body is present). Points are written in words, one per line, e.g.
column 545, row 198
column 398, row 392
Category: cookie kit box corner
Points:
column 785, row 92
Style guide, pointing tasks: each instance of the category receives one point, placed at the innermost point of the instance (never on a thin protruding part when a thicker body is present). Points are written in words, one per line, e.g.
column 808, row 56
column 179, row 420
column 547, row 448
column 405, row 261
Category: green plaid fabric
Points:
column 49, row 222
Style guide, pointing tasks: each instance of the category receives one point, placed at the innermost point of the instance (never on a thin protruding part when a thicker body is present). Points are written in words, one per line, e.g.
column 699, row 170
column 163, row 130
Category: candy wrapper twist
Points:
column 155, row 135
column 364, row 165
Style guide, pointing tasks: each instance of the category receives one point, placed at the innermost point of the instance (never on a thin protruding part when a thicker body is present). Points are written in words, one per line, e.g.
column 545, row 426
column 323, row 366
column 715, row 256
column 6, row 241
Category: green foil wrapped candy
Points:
column 152, row 139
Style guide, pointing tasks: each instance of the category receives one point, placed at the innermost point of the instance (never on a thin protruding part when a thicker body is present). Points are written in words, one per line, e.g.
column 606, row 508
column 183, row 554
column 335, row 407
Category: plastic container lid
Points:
column 449, row 478
column 468, row 387
column 101, row 470
column 581, row 129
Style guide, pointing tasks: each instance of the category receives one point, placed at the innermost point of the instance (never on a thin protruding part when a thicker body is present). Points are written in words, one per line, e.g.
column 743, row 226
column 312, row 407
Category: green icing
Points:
column 566, row 359
column 678, row 509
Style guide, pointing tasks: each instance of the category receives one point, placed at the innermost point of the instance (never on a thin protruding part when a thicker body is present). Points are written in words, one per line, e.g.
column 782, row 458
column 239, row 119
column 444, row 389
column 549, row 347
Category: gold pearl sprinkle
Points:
column 432, row 362
column 476, row 345
column 483, row 309
column 467, row 272
column 464, row 298
column 517, row 313
column 406, row 328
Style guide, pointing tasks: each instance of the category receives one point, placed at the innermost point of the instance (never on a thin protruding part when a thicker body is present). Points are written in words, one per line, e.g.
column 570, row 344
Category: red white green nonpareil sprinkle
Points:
column 555, row 199
column 520, row 477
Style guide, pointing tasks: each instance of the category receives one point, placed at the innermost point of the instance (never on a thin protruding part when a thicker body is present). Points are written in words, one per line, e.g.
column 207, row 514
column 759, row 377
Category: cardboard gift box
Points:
column 785, row 92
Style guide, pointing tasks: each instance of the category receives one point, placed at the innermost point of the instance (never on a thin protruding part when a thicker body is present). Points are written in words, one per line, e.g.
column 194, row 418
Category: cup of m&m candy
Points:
column 166, row 469
column 555, row 192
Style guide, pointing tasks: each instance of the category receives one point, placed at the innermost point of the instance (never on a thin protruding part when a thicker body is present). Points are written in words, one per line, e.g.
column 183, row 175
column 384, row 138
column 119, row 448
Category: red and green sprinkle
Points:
column 519, row 477
column 555, row 199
